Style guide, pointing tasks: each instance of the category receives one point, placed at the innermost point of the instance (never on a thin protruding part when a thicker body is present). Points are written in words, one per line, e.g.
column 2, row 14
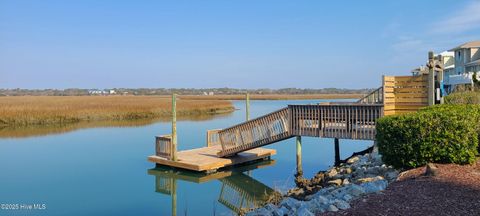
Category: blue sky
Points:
column 238, row 44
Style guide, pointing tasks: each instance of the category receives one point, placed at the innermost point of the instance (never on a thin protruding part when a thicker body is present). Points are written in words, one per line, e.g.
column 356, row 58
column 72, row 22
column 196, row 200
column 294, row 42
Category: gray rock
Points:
column 259, row 212
column 374, row 186
column 332, row 172
column 341, row 204
column 303, row 211
column 352, row 160
column 281, row 211
column 289, row 203
column 332, row 208
column 391, row 175
column 336, row 182
column 270, row 207
column 355, row 190
column 347, row 197
column 369, row 179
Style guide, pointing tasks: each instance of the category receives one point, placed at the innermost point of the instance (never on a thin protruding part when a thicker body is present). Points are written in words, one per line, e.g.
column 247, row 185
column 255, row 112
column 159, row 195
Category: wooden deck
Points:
column 206, row 159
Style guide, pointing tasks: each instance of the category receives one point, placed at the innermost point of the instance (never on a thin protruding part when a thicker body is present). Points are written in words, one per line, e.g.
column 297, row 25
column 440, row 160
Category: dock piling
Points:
column 299, row 155
column 174, row 127
column 247, row 106
column 337, row 151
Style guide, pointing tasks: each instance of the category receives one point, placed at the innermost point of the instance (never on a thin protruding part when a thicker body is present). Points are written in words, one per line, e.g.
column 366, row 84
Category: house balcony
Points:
column 465, row 78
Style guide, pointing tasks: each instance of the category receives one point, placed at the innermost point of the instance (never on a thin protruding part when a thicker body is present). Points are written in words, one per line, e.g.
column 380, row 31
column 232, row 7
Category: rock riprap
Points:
column 334, row 189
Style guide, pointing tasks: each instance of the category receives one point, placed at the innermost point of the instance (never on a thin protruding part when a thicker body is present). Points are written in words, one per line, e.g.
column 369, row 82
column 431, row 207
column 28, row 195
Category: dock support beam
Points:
column 299, row 155
column 337, row 151
column 174, row 127
column 247, row 106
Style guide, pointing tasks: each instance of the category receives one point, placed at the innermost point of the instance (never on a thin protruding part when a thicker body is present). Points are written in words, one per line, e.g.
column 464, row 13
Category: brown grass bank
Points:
column 48, row 110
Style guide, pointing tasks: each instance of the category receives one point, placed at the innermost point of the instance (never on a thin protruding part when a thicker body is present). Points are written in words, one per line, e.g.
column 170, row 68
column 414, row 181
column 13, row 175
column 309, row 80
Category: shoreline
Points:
column 333, row 190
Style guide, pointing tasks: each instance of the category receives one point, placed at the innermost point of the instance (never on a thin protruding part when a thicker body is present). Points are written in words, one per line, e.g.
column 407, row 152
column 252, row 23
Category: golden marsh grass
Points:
column 47, row 110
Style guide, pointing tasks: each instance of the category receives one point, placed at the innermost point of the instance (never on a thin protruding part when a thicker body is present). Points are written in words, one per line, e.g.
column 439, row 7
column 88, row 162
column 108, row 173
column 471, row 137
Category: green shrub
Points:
column 467, row 97
column 441, row 134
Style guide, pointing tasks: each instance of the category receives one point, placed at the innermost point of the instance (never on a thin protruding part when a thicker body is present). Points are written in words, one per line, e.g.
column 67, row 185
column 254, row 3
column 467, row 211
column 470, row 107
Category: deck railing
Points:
column 254, row 133
column 163, row 146
column 213, row 137
column 343, row 121
column 374, row 97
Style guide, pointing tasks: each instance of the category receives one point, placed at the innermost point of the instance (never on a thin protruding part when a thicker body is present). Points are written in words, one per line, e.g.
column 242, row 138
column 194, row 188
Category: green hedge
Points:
column 467, row 97
column 442, row 134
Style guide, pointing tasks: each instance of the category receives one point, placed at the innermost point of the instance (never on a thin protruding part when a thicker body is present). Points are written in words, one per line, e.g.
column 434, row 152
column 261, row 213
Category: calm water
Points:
column 104, row 171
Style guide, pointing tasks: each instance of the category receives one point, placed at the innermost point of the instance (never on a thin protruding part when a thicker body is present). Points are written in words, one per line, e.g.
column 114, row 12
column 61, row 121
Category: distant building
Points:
column 467, row 62
column 211, row 93
column 112, row 91
column 97, row 92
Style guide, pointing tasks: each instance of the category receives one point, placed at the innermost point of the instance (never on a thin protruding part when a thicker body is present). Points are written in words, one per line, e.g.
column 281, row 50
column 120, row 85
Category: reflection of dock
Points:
column 239, row 191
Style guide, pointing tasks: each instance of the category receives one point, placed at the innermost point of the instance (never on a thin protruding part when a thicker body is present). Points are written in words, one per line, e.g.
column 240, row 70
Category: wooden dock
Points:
column 241, row 143
column 206, row 158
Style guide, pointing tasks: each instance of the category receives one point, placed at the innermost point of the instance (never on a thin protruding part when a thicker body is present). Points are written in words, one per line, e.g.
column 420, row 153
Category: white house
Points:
column 467, row 62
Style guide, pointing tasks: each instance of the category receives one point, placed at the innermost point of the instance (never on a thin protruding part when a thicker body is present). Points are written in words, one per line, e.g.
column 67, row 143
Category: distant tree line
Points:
column 183, row 91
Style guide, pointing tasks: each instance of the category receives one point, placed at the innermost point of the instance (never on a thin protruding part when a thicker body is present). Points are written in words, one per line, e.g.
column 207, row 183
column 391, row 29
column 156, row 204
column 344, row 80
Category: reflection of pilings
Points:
column 253, row 192
column 174, row 197
column 241, row 192
column 337, row 151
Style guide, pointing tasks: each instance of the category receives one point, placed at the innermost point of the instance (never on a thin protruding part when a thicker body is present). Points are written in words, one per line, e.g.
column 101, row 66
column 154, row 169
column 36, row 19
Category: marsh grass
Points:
column 48, row 110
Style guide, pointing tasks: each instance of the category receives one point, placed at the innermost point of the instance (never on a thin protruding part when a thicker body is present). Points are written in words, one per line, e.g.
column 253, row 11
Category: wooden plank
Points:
column 203, row 159
column 407, row 100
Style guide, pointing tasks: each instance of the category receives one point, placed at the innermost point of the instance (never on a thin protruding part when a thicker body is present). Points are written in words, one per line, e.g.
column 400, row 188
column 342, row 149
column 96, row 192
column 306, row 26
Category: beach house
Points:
column 467, row 63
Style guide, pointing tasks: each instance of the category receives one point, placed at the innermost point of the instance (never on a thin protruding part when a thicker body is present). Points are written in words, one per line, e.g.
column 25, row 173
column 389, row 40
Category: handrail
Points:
column 257, row 132
column 163, row 146
column 213, row 137
column 374, row 97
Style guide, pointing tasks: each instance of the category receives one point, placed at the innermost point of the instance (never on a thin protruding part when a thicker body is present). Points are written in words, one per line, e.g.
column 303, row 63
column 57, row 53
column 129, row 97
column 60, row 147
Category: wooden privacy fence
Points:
column 404, row 94
column 163, row 146
column 261, row 131
column 343, row 121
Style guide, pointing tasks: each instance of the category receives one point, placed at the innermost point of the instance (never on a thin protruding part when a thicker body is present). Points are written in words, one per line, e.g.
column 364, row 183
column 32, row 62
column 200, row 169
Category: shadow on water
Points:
column 239, row 190
column 42, row 130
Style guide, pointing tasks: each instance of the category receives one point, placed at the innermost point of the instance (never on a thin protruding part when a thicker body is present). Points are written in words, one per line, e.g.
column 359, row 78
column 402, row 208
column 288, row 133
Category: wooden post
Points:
column 431, row 79
column 247, row 106
column 299, row 155
column 174, row 127
column 440, row 77
column 337, row 151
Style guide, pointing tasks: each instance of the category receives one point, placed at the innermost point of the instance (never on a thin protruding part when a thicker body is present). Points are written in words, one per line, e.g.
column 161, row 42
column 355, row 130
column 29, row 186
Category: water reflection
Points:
column 239, row 190
column 33, row 131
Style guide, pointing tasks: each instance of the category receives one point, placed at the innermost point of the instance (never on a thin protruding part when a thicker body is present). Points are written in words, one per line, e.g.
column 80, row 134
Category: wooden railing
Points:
column 261, row 131
column 163, row 146
column 213, row 137
column 374, row 97
column 343, row 121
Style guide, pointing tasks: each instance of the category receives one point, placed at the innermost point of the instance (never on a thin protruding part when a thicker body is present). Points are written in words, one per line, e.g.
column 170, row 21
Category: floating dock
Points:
column 205, row 159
